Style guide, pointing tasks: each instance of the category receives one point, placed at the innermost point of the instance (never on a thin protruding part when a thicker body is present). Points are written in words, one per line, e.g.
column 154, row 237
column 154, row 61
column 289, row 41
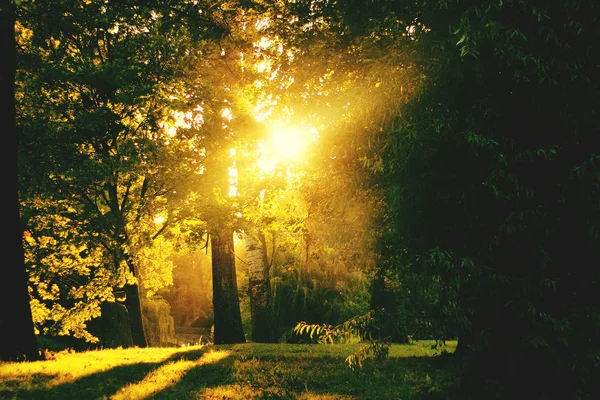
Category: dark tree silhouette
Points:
column 16, row 324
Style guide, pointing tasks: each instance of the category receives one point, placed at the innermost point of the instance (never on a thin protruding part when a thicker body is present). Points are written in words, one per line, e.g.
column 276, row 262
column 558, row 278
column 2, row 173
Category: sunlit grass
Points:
column 166, row 375
column 67, row 367
column 242, row 371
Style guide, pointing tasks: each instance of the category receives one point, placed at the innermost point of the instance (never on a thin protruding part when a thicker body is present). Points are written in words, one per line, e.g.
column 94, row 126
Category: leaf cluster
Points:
column 363, row 328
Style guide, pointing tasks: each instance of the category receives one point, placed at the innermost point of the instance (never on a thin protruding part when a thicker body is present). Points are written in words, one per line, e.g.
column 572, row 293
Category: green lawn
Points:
column 241, row 371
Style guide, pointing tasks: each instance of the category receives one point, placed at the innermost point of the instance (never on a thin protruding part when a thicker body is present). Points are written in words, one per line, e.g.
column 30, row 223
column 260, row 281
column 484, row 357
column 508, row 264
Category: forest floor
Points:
column 242, row 371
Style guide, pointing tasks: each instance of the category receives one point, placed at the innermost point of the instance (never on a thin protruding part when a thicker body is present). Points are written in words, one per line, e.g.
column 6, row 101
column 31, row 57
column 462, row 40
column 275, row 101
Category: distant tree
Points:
column 190, row 295
column 18, row 341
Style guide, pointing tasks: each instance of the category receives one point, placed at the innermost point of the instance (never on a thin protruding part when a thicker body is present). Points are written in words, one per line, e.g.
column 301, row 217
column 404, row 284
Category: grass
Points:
column 241, row 371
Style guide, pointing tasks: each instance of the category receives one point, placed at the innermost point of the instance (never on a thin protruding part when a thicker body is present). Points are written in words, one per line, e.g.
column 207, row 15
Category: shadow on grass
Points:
column 263, row 376
column 405, row 378
column 225, row 372
column 106, row 384
column 13, row 385
column 198, row 379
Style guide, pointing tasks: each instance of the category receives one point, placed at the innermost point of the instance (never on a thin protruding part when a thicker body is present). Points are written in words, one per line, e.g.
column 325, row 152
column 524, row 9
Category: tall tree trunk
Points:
column 134, row 309
column 16, row 323
column 226, row 303
column 259, row 288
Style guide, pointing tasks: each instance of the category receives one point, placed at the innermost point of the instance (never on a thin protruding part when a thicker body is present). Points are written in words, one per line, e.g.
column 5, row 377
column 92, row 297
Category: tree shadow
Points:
column 223, row 372
column 276, row 377
column 103, row 384
column 201, row 377
column 13, row 385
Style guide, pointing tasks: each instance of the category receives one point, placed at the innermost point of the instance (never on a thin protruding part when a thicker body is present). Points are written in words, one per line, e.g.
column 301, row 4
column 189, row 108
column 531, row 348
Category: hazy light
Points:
column 267, row 165
column 226, row 113
column 263, row 66
column 264, row 43
column 288, row 142
column 232, row 173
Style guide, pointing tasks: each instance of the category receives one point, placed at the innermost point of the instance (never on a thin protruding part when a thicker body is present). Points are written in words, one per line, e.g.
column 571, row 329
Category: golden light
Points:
column 285, row 146
column 166, row 375
column 227, row 114
column 232, row 173
column 263, row 66
column 267, row 165
column 287, row 142
column 264, row 43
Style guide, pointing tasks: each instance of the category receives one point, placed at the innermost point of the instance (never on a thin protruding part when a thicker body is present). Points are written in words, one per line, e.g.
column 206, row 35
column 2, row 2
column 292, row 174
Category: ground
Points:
column 242, row 371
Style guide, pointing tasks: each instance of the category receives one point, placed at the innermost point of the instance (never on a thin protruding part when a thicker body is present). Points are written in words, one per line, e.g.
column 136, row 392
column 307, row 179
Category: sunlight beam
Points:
column 165, row 376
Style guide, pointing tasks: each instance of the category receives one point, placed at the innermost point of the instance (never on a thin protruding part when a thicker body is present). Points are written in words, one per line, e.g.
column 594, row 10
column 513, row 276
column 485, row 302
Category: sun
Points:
column 286, row 145
column 287, row 142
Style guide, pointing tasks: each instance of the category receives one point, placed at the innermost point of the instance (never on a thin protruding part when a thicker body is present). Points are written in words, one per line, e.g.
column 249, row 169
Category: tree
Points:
column 227, row 318
column 486, row 158
column 314, row 80
column 259, row 288
column 108, row 106
column 16, row 324
column 491, row 184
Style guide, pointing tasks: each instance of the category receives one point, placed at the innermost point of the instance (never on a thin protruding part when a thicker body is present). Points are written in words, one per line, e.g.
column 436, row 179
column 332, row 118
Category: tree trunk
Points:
column 259, row 288
column 16, row 324
column 133, row 303
column 134, row 311
column 226, row 303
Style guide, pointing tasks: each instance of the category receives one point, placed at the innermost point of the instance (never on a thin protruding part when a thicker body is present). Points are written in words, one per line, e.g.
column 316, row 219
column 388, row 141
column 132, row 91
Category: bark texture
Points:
column 134, row 311
column 259, row 288
column 226, row 303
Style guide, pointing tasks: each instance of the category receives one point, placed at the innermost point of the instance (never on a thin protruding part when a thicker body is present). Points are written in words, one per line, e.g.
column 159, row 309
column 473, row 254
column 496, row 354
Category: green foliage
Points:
column 317, row 245
column 378, row 350
column 318, row 295
column 362, row 328
column 482, row 200
column 419, row 304
column 155, row 266
column 100, row 96
column 65, row 284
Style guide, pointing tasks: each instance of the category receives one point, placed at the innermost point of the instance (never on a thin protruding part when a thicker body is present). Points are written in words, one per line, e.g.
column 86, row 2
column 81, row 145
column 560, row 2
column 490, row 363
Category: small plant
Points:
column 377, row 349
column 363, row 327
